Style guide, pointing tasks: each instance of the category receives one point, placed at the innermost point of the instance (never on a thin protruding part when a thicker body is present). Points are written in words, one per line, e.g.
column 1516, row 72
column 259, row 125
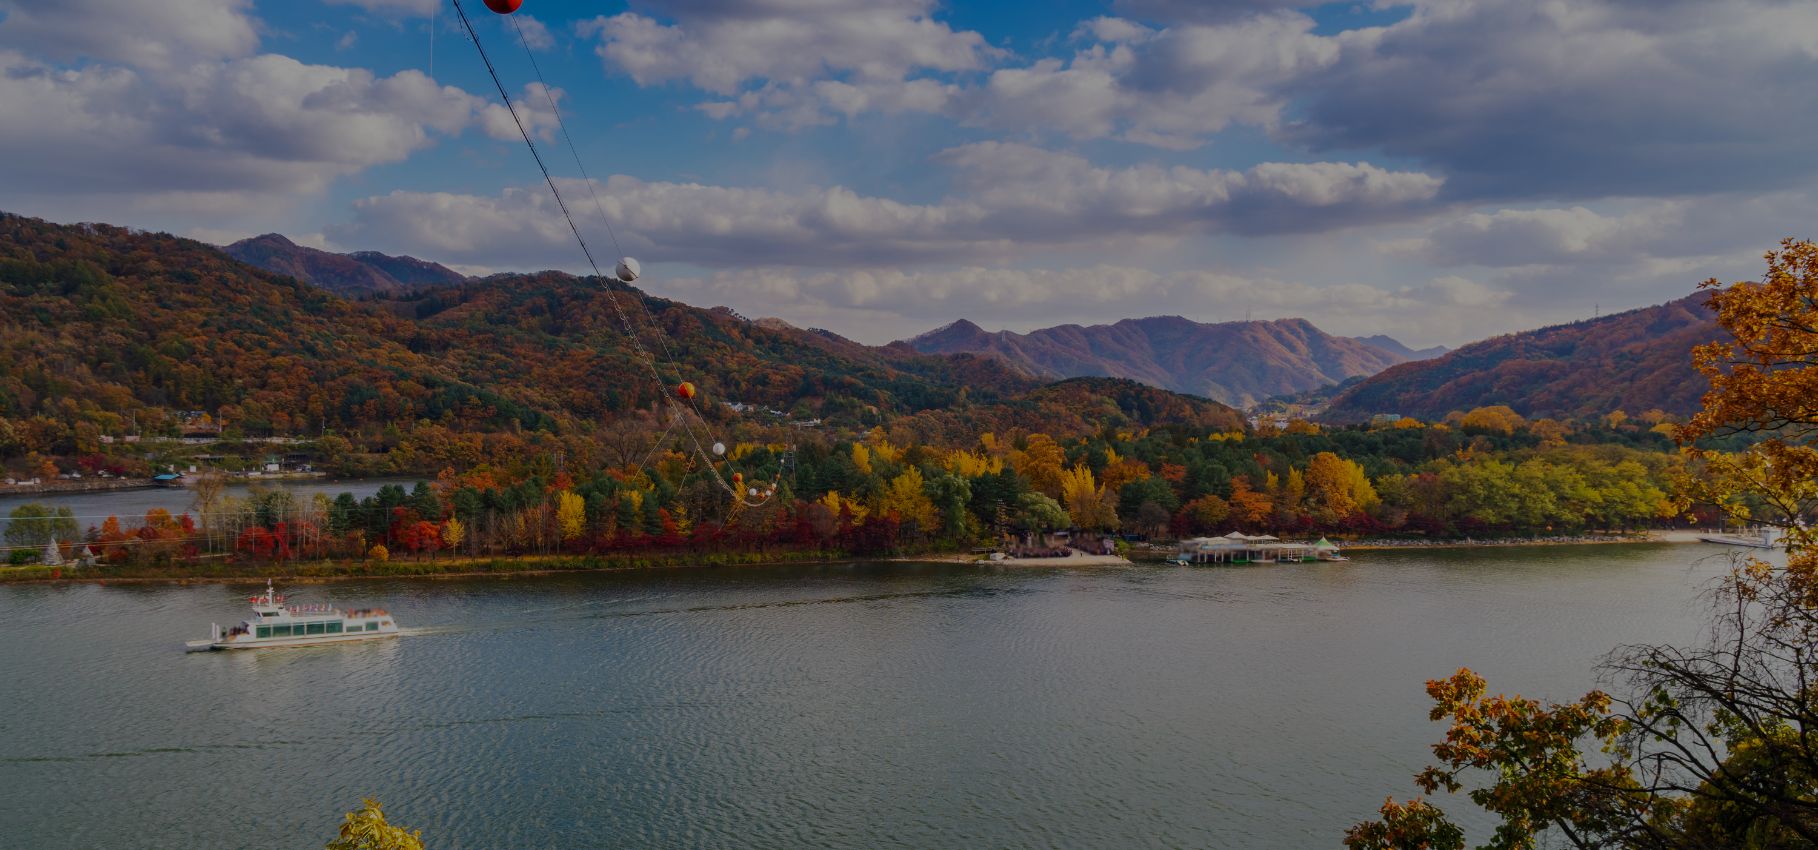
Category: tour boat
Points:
column 275, row 624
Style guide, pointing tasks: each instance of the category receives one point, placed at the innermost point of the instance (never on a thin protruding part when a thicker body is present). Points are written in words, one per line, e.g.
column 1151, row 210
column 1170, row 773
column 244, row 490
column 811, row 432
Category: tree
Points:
column 366, row 829
column 1153, row 519
column 906, row 498
column 1716, row 743
column 1249, row 508
column 1135, row 494
column 208, row 487
column 1038, row 513
column 1337, row 488
column 1087, row 503
column 453, row 533
column 33, row 525
column 1207, row 513
column 1040, row 463
column 951, row 494
column 1495, row 419
column 571, row 514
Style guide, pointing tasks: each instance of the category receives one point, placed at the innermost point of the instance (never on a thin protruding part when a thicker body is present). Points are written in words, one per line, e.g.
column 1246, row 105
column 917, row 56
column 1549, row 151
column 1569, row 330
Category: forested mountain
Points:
column 1634, row 361
column 349, row 275
column 1236, row 363
column 102, row 326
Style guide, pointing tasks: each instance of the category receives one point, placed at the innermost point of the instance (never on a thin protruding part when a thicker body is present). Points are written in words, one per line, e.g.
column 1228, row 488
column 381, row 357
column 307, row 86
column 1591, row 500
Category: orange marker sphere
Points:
column 738, row 477
column 685, row 391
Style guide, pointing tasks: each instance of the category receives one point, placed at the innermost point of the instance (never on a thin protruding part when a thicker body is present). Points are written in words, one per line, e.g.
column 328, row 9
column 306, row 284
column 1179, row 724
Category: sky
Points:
column 1437, row 170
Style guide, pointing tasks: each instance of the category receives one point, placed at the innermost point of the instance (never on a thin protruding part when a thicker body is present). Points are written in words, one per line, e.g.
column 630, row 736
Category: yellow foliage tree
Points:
column 838, row 505
column 1040, row 462
column 881, row 447
column 1337, row 488
column 379, row 553
column 366, row 829
column 972, row 465
column 571, row 515
column 861, row 458
column 1087, row 502
column 453, row 533
column 906, row 497
column 1495, row 419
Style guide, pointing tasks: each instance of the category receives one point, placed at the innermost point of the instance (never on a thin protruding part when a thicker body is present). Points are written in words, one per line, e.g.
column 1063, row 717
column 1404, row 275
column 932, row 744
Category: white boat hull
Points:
column 276, row 643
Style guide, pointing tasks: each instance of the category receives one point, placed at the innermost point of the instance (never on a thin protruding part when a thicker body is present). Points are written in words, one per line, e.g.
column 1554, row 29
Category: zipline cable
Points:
column 562, row 205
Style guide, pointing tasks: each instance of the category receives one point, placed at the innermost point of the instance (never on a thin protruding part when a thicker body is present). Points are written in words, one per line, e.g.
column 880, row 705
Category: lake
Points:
column 130, row 505
column 865, row 706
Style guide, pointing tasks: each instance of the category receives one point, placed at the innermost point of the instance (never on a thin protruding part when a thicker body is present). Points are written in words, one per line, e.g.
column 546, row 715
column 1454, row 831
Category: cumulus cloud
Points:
column 1631, row 238
column 791, row 60
column 1171, row 88
column 1013, row 199
column 1577, row 98
column 161, row 35
column 1567, row 99
column 719, row 45
column 221, row 132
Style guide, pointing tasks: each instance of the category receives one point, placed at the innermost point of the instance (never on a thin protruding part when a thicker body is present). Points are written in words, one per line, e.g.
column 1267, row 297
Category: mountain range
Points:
column 348, row 275
column 101, row 325
column 1238, row 363
column 1633, row 361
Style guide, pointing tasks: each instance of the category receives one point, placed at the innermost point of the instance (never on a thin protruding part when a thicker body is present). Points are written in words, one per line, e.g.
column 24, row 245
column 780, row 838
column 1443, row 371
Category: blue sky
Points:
column 1439, row 170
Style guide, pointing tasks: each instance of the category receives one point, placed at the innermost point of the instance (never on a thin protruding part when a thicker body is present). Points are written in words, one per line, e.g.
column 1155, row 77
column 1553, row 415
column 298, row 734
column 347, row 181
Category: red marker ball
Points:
column 504, row 7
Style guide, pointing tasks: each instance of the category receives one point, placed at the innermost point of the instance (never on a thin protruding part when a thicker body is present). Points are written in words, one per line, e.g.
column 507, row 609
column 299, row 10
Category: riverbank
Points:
column 62, row 487
column 317, row 572
column 535, row 565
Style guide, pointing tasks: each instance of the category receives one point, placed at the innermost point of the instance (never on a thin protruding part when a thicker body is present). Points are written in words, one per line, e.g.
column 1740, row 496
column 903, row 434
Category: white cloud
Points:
column 1624, row 238
column 536, row 33
column 720, row 45
column 393, row 7
column 220, row 135
column 1577, row 98
column 1171, row 88
column 790, row 61
column 157, row 35
column 1014, row 200
column 1561, row 100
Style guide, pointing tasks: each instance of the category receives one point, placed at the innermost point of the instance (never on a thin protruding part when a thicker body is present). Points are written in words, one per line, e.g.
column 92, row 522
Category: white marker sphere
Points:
column 719, row 448
column 753, row 491
column 629, row 270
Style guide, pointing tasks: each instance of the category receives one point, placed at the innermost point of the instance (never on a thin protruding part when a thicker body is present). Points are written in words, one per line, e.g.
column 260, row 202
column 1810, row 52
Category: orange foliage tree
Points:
column 1716, row 744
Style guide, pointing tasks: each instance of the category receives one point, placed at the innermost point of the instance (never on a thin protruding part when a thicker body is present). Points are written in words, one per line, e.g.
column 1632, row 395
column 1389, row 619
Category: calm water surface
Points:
column 836, row 707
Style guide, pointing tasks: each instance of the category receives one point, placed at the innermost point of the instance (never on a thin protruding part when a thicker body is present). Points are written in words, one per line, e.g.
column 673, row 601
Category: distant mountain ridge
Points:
column 1634, row 361
column 1237, row 363
column 143, row 326
column 348, row 275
